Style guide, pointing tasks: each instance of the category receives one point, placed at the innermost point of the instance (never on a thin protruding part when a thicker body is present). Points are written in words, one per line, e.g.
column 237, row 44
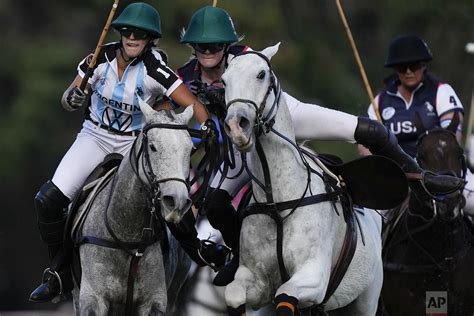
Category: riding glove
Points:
column 75, row 99
column 210, row 129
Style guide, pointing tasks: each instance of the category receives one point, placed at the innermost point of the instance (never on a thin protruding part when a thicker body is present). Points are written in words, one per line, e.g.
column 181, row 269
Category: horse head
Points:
column 439, row 151
column 249, row 82
column 165, row 138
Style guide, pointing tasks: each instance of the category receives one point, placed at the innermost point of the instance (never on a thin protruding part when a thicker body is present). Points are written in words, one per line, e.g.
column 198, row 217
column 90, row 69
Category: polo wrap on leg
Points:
column 285, row 305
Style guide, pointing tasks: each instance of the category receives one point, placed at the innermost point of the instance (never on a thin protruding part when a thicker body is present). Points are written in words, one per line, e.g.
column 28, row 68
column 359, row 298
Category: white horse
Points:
column 313, row 235
column 124, row 268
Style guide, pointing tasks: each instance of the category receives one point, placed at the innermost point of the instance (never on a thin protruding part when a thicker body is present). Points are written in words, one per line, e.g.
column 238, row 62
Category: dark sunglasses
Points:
column 137, row 33
column 402, row 68
column 212, row 48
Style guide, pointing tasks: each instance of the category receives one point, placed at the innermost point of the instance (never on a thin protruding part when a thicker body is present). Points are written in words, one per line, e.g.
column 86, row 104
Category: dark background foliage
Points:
column 42, row 42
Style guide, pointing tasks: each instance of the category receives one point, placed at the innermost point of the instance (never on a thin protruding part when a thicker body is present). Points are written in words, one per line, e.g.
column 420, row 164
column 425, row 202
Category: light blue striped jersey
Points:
column 114, row 102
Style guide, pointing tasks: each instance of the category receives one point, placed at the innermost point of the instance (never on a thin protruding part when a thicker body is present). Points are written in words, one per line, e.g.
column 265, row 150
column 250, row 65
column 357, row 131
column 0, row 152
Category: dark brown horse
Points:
column 430, row 243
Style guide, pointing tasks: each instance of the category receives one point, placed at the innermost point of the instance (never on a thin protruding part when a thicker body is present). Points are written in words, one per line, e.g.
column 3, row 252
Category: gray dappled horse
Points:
column 430, row 244
column 313, row 234
column 116, row 277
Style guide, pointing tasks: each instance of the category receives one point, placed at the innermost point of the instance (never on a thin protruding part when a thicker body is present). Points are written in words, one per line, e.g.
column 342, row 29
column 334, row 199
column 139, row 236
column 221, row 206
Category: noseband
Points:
column 262, row 124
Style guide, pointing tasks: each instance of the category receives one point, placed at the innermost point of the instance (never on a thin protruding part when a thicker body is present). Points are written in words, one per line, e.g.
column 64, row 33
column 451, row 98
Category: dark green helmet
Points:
column 210, row 25
column 407, row 49
column 142, row 16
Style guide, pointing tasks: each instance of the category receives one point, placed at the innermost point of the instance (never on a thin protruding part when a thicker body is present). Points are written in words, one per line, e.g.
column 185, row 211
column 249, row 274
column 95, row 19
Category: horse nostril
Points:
column 244, row 123
column 168, row 202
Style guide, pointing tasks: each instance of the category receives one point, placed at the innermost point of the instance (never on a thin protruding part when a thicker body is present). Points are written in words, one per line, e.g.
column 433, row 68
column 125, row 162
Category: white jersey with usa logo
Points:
column 114, row 102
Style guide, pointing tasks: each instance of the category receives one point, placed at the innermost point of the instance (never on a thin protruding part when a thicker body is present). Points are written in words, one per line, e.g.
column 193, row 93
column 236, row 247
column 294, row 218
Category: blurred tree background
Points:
column 42, row 42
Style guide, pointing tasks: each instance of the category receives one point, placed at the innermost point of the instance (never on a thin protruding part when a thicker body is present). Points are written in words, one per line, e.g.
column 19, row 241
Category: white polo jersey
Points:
column 114, row 102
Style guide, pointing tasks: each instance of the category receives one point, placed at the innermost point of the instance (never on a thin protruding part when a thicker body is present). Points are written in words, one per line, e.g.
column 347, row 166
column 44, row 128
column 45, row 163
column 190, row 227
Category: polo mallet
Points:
column 467, row 144
column 90, row 68
column 358, row 60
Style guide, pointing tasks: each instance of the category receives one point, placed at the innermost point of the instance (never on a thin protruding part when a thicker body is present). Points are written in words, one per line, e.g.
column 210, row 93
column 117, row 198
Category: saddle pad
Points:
column 373, row 181
column 83, row 209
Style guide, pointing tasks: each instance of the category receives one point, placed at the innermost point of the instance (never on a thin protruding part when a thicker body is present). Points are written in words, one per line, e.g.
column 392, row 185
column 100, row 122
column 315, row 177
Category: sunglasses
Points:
column 212, row 48
column 137, row 33
column 402, row 68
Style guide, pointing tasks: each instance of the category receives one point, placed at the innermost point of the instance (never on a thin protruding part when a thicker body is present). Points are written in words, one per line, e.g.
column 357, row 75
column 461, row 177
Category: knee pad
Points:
column 50, row 204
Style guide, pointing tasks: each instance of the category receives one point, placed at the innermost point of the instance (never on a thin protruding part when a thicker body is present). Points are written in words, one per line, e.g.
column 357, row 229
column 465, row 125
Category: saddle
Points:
column 110, row 162
column 374, row 181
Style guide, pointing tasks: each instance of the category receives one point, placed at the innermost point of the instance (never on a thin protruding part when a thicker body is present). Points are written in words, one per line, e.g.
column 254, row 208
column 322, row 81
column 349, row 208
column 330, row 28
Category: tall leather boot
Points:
column 379, row 140
column 222, row 216
column 203, row 252
column 51, row 207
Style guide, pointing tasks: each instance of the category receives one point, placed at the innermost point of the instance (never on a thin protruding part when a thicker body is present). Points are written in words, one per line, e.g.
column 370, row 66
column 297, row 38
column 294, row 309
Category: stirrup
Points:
column 54, row 274
column 227, row 251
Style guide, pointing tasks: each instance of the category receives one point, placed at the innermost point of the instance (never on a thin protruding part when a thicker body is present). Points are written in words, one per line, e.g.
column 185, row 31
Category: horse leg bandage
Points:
column 286, row 305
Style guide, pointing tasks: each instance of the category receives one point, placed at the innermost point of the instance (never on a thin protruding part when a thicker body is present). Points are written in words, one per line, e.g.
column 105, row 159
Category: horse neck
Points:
column 128, row 203
column 287, row 173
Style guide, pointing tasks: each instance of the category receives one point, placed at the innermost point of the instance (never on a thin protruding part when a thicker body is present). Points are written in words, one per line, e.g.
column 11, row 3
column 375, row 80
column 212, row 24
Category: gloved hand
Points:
column 75, row 99
column 196, row 87
column 210, row 129
column 427, row 184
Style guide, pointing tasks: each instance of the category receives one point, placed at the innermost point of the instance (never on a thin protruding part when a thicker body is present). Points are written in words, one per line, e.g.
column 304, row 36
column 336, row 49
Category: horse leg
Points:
column 305, row 285
column 91, row 305
column 236, row 291
column 154, row 309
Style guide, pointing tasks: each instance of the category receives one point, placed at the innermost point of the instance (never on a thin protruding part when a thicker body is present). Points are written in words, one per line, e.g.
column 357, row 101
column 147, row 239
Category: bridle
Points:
column 262, row 124
column 141, row 158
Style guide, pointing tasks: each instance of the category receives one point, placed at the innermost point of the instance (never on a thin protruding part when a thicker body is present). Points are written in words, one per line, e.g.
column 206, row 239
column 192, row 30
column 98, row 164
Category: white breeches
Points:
column 92, row 144
column 311, row 122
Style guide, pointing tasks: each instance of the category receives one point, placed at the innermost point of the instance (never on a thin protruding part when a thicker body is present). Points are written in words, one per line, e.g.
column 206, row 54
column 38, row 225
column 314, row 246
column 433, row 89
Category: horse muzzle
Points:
column 239, row 129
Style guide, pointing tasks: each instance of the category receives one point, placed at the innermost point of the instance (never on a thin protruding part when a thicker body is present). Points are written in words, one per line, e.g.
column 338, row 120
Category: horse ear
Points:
column 453, row 126
column 146, row 109
column 187, row 114
column 420, row 127
column 270, row 51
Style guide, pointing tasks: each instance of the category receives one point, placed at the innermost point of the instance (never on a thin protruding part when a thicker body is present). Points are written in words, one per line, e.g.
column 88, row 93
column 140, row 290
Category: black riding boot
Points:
column 50, row 204
column 380, row 141
column 222, row 216
column 203, row 252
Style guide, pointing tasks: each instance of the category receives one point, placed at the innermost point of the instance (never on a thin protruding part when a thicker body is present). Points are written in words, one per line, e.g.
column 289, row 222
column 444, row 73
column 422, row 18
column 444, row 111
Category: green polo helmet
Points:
column 210, row 25
column 142, row 16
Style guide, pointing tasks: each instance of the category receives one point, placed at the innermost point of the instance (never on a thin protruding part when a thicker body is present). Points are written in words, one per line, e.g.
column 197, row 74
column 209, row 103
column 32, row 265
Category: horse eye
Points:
column 153, row 148
column 261, row 74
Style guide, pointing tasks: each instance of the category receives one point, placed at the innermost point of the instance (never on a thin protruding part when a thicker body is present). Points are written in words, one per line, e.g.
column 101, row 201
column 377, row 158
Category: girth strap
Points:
column 273, row 210
column 265, row 208
column 112, row 244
